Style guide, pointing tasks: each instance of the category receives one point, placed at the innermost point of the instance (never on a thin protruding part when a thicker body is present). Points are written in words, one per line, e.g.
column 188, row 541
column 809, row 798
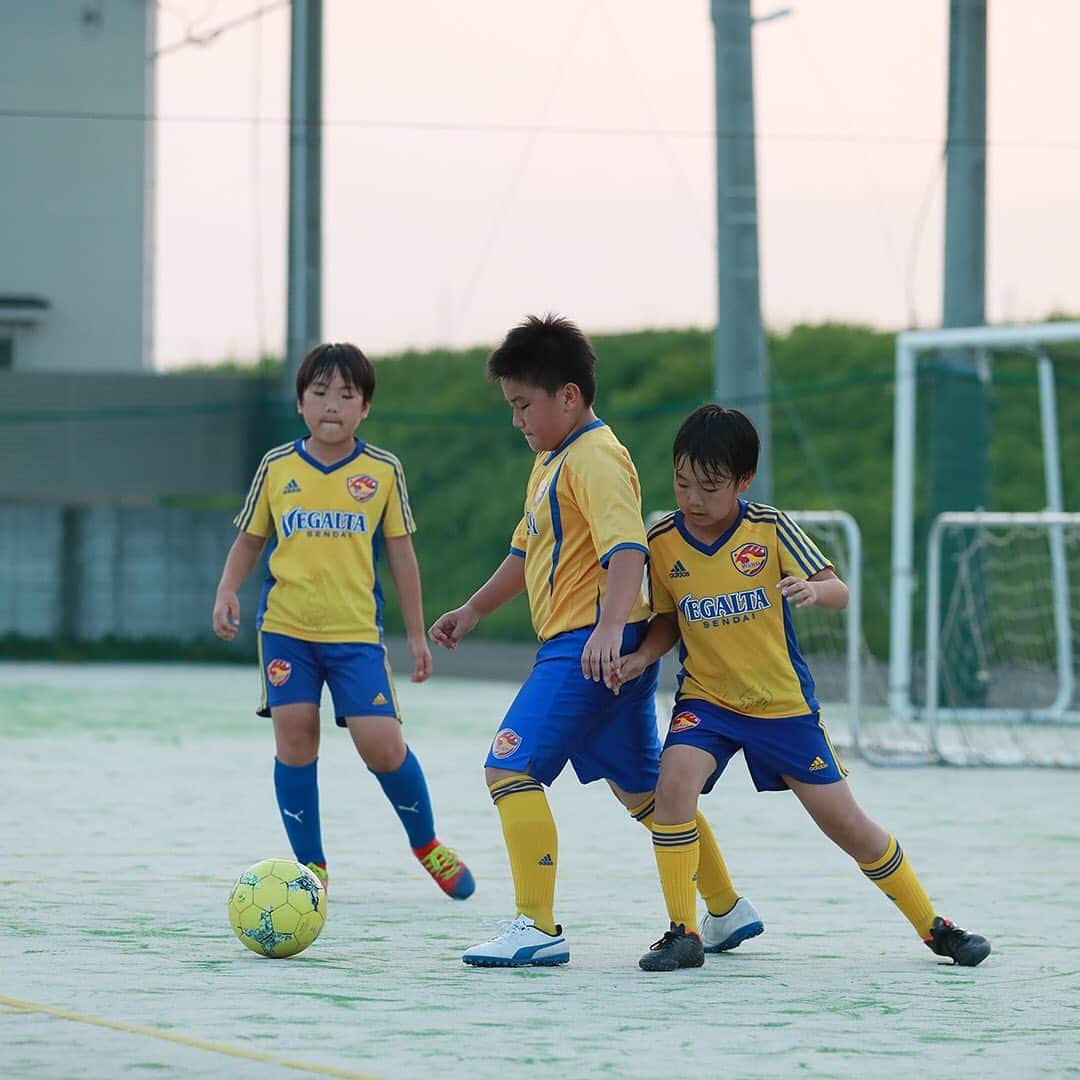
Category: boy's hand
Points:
column 633, row 664
column 226, row 617
column 798, row 592
column 600, row 658
column 447, row 630
column 421, row 655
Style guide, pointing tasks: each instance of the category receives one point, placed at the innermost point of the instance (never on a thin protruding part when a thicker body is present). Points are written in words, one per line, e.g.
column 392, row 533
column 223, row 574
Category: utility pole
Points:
column 740, row 360
column 305, row 187
column 959, row 415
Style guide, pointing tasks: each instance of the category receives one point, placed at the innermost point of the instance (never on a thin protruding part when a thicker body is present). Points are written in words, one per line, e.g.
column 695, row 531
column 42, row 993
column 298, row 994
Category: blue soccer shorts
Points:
column 795, row 746
column 559, row 716
column 357, row 673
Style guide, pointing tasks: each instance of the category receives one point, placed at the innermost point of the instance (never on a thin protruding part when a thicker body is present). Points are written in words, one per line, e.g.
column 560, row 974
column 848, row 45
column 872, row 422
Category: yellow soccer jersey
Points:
column 739, row 648
column 325, row 524
column 582, row 504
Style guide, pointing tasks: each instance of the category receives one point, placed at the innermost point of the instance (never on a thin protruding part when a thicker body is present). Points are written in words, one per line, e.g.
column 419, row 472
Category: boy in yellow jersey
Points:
column 724, row 576
column 329, row 505
column 580, row 551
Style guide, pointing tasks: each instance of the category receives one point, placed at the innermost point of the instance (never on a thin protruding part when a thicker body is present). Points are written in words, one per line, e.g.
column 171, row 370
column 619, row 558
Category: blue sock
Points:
column 297, row 790
column 408, row 794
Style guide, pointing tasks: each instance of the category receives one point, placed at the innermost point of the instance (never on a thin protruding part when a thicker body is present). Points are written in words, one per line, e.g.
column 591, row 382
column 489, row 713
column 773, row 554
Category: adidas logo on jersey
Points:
column 380, row 699
column 678, row 570
column 546, row 861
column 291, row 488
column 817, row 765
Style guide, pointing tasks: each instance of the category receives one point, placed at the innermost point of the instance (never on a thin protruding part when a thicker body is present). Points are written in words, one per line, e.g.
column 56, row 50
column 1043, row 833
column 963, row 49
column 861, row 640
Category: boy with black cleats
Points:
column 726, row 576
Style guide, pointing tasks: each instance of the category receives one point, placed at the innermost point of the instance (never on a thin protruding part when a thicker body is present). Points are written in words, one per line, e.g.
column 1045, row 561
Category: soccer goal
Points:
column 1000, row 598
column 1011, row 617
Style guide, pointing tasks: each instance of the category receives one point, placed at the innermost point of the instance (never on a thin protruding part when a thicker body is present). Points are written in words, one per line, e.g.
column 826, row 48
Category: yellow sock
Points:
column 893, row 875
column 532, row 844
column 713, row 880
column 676, row 850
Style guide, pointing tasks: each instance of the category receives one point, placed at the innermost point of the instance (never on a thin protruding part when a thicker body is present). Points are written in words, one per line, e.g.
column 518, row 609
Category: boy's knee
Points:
column 383, row 751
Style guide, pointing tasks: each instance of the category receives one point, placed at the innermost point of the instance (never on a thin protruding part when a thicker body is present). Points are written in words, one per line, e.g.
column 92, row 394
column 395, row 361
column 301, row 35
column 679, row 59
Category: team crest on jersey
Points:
column 362, row 487
column 506, row 741
column 750, row 559
column 684, row 721
column 278, row 672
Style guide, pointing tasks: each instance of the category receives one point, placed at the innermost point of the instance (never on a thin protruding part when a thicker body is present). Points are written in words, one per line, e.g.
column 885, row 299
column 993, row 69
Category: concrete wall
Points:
column 96, row 572
column 124, row 439
column 76, row 194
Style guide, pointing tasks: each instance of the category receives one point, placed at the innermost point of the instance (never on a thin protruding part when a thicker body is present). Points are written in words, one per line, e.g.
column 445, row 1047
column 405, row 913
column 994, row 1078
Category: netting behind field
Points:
column 852, row 684
column 1008, row 615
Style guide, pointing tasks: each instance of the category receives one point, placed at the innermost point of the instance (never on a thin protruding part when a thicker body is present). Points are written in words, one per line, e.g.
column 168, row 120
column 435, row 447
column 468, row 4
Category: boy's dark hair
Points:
column 324, row 361
column 549, row 353
column 721, row 443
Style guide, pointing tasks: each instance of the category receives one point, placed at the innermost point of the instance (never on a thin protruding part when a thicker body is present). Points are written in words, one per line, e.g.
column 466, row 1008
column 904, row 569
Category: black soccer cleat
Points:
column 947, row 939
column 676, row 949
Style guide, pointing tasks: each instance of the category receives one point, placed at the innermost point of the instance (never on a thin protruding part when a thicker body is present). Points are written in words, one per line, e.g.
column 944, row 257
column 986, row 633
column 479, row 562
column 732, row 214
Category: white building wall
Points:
column 76, row 95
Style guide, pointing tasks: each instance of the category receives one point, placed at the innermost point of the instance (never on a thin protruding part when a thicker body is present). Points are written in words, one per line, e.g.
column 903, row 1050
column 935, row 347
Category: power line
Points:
column 192, row 38
column 514, row 128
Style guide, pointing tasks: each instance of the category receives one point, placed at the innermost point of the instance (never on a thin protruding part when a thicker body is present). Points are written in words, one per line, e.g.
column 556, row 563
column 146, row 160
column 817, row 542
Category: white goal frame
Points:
column 909, row 344
column 1058, row 712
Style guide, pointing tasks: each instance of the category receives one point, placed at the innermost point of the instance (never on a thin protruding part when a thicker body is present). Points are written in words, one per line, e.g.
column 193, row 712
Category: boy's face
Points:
column 709, row 503
column 332, row 410
column 544, row 419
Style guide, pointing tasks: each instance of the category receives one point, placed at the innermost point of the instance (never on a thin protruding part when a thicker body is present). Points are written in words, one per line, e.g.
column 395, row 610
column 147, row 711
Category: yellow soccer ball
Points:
column 277, row 907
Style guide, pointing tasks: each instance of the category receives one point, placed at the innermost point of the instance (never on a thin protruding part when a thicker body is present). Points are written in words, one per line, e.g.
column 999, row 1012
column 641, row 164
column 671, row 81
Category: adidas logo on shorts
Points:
column 818, row 764
column 678, row 570
column 380, row 699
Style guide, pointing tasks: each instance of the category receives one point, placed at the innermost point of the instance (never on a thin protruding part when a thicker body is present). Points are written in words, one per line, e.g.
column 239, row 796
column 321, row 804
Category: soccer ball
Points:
column 277, row 907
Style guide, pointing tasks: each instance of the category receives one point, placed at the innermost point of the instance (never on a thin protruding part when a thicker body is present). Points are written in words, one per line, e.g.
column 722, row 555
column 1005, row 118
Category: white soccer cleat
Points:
column 522, row 943
column 719, row 933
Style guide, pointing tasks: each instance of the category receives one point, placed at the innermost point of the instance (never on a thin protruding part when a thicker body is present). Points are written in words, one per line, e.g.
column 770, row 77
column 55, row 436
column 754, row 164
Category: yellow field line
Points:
column 18, row 1006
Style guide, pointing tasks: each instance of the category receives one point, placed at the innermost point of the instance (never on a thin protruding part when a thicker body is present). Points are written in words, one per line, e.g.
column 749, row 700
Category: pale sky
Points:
column 488, row 158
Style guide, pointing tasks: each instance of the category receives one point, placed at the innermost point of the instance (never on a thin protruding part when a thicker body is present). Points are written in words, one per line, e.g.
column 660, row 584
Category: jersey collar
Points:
column 299, row 444
column 709, row 549
column 567, row 441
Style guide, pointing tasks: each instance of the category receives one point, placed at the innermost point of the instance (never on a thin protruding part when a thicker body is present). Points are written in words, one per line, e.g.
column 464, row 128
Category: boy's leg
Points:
column 532, row 843
column 533, row 938
column 882, row 860
column 296, row 734
column 676, row 840
column 714, row 883
column 878, row 855
column 379, row 741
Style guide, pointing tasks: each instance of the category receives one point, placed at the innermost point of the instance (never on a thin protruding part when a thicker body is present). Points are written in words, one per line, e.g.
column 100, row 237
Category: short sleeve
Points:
column 799, row 555
column 520, row 538
column 608, row 496
column 660, row 598
column 255, row 516
column 397, row 519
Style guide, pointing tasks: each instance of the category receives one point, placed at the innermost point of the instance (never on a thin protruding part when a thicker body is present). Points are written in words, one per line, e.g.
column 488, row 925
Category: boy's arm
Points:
column 662, row 634
column 506, row 583
column 600, row 659
column 823, row 588
column 242, row 557
column 405, row 571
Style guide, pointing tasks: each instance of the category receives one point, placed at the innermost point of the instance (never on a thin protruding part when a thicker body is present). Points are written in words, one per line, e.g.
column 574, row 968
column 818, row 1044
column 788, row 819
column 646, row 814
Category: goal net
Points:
column 1010, row 617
